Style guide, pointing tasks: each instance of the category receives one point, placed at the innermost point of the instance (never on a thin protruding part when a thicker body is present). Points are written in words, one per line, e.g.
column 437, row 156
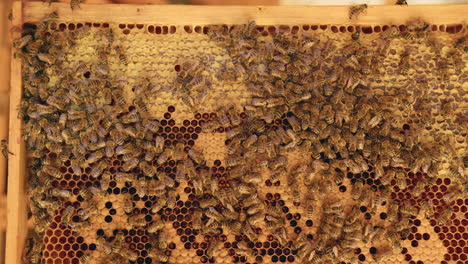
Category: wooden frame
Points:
column 263, row 15
column 16, row 199
column 170, row 15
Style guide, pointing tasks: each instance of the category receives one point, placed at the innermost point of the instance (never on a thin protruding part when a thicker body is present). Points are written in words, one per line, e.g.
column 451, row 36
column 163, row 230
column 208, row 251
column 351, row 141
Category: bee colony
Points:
column 244, row 143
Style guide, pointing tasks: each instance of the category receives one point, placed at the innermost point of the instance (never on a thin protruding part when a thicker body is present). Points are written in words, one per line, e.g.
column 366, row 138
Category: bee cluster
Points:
column 320, row 120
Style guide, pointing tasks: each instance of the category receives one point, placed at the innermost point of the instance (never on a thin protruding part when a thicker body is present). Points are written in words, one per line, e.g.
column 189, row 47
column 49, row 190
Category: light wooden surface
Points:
column 4, row 105
column 263, row 15
column 16, row 201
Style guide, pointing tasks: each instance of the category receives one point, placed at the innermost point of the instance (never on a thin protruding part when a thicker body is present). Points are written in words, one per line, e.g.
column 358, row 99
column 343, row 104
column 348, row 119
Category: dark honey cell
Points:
column 383, row 216
column 269, row 196
column 278, row 251
column 274, row 259
column 342, row 188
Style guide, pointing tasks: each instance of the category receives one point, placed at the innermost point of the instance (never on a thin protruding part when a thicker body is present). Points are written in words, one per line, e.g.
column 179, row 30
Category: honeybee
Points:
column 98, row 168
column 419, row 187
column 52, row 171
column 294, row 122
column 158, row 254
column 158, row 205
column 165, row 155
column 155, row 226
column 427, row 208
column 62, row 193
column 355, row 35
column 309, row 210
column 22, row 42
column 409, row 210
column 4, row 147
column 401, row 180
column 86, row 257
column 392, row 211
column 245, row 251
column 67, row 214
column 147, row 169
column 95, row 156
column 356, row 10
column 196, row 156
column 163, row 239
column 124, row 177
column 136, row 220
column 128, row 254
column 130, row 164
column 445, row 216
column 453, row 194
column 296, row 196
column 353, row 227
column 383, row 253
column 86, row 212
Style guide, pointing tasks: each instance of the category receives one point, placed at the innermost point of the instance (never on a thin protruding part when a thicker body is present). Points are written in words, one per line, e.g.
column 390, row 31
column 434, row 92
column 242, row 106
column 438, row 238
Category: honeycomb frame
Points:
column 448, row 234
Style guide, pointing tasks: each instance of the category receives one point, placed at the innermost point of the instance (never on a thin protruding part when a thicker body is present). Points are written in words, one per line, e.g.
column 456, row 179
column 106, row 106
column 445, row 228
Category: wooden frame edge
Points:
column 263, row 15
column 16, row 202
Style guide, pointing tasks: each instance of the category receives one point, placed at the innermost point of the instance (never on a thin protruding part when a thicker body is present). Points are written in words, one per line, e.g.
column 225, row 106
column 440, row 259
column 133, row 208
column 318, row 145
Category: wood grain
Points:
column 263, row 15
column 16, row 200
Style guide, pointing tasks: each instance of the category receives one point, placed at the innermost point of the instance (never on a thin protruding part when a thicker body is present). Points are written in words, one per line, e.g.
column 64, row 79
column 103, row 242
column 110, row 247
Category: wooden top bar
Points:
column 263, row 15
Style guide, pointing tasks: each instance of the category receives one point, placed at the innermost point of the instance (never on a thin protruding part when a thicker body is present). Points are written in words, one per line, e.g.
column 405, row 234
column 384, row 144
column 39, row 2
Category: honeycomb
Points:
column 157, row 52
